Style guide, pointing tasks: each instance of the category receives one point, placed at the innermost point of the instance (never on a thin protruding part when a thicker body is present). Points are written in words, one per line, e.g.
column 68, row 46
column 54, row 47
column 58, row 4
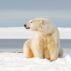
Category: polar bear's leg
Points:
column 53, row 52
column 27, row 50
column 37, row 52
column 37, row 49
column 46, row 53
column 54, row 46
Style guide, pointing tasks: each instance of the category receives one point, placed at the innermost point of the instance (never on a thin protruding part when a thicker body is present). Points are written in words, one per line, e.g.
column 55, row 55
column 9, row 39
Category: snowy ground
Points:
column 17, row 62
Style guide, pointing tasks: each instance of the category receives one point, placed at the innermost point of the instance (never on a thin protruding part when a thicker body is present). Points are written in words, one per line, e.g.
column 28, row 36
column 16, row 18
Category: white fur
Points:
column 45, row 43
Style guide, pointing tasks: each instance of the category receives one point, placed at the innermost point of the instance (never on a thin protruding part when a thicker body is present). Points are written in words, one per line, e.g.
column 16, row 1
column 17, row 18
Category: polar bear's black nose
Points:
column 24, row 25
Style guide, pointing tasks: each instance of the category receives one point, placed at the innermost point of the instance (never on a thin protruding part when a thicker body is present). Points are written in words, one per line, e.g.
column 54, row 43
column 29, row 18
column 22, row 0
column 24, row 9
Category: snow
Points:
column 17, row 62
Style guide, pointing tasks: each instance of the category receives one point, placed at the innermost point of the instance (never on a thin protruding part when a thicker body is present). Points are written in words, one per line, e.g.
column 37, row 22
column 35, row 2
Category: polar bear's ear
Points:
column 44, row 21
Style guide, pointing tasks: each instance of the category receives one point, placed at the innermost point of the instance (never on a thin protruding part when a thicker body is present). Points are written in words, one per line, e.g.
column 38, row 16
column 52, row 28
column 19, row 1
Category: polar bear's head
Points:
column 39, row 24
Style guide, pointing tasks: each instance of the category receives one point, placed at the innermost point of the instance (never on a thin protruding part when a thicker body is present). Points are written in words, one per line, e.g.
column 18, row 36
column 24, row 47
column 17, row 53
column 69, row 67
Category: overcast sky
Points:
column 14, row 13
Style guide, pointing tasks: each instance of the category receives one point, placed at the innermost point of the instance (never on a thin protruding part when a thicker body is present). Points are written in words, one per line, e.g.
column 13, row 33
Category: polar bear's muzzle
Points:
column 26, row 26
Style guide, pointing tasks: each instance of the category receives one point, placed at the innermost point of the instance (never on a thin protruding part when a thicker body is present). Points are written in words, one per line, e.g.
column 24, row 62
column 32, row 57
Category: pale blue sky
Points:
column 36, row 4
column 14, row 13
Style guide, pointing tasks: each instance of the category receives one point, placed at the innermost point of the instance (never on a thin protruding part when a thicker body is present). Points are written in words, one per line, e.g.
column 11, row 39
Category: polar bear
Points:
column 46, row 43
